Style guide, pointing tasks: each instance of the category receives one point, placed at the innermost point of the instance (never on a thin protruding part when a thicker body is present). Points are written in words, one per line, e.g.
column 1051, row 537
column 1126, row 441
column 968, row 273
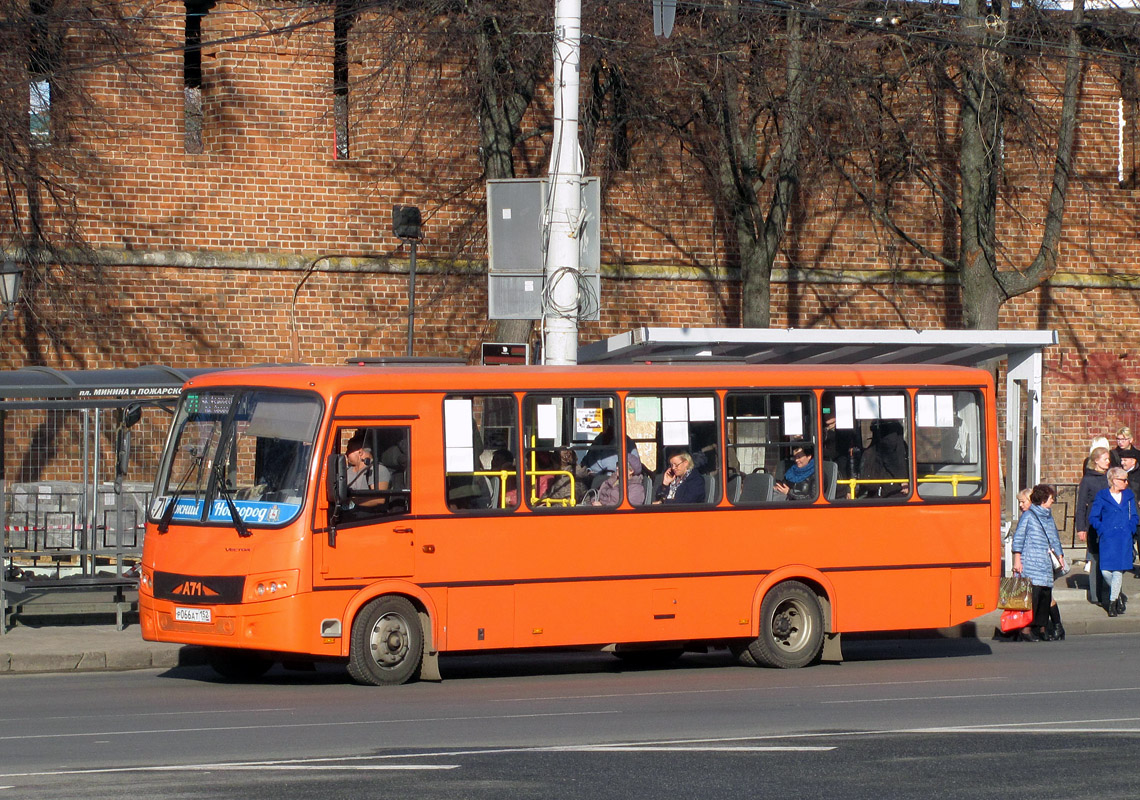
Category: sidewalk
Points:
column 73, row 648
column 67, row 648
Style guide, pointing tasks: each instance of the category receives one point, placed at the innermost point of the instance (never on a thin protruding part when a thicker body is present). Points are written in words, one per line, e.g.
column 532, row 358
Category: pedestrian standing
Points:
column 1036, row 536
column 1092, row 482
column 1114, row 516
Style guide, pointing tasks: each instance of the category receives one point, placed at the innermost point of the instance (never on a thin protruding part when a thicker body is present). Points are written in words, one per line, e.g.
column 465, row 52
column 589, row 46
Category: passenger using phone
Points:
column 364, row 474
column 799, row 479
column 681, row 483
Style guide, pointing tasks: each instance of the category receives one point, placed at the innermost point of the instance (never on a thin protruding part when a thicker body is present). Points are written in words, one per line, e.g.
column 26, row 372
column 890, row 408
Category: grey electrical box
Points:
column 516, row 248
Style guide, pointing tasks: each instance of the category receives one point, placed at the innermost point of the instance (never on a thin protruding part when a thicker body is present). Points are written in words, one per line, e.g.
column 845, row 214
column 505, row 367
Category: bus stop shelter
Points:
column 66, row 511
column 1020, row 351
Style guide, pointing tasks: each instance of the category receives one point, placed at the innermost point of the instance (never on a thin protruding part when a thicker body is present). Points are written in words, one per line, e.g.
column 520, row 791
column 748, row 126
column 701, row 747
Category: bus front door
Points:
column 373, row 536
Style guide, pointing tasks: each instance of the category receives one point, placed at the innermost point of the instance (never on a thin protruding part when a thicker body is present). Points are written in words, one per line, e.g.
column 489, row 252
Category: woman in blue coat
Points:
column 1115, row 517
column 1035, row 536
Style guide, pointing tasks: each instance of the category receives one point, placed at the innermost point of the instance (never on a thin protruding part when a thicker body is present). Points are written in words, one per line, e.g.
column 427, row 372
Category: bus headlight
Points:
column 271, row 586
column 146, row 582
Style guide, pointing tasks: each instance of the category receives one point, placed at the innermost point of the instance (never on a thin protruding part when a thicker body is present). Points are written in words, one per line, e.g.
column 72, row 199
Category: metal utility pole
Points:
column 560, row 309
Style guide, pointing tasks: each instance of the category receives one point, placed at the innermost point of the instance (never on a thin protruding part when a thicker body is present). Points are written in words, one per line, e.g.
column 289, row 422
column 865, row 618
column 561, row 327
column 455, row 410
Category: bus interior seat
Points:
column 647, row 482
column 946, row 489
column 494, row 484
column 830, row 476
column 394, row 460
column 756, row 487
column 732, row 488
column 712, row 488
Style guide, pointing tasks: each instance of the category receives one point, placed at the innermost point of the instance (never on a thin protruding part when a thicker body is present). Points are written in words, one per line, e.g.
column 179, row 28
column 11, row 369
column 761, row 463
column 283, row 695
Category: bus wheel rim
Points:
column 390, row 641
column 791, row 626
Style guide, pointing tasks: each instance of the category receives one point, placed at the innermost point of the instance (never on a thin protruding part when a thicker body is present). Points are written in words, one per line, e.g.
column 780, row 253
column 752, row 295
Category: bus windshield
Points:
column 243, row 452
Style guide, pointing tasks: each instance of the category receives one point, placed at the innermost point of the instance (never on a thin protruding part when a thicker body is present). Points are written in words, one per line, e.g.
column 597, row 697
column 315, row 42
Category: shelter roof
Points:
column 815, row 346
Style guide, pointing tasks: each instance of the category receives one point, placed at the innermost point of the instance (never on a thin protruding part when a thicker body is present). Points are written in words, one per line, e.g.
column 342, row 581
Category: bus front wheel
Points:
column 791, row 628
column 387, row 646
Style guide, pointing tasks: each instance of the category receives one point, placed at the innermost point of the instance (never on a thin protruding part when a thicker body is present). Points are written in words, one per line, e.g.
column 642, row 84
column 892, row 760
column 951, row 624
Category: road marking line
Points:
column 151, row 714
column 781, row 687
column 280, row 726
column 233, row 768
column 977, row 696
column 634, row 748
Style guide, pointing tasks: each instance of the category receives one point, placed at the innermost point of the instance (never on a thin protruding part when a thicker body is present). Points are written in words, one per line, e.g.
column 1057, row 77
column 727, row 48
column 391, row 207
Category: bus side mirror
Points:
column 128, row 418
column 336, row 489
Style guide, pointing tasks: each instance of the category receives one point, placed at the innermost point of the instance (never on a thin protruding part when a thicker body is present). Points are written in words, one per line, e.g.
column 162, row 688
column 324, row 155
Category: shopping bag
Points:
column 1015, row 593
column 1014, row 620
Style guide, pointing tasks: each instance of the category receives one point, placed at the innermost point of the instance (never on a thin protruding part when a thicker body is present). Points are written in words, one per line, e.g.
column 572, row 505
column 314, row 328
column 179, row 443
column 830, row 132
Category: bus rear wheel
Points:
column 791, row 628
column 237, row 665
column 387, row 646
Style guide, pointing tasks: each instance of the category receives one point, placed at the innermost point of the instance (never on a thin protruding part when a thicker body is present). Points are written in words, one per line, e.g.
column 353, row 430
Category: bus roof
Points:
column 332, row 380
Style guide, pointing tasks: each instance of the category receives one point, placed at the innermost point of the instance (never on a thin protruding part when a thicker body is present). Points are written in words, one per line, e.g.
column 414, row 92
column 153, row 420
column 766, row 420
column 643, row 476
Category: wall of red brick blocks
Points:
column 268, row 183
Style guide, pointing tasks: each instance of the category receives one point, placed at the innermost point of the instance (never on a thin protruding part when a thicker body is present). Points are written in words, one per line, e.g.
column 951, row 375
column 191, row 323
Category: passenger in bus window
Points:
column 799, row 482
column 602, row 456
column 609, row 493
column 681, row 483
column 885, row 461
column 560, row 486
column 363, row 472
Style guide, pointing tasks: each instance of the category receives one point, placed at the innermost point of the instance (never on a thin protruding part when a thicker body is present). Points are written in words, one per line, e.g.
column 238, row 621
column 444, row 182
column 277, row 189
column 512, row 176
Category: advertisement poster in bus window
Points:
column 587, row 422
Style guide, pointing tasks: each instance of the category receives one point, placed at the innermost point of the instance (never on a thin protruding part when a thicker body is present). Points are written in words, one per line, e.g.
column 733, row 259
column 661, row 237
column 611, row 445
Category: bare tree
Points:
column 50, row 49
column 730, row 85
column 987, row 72
column 501, row 52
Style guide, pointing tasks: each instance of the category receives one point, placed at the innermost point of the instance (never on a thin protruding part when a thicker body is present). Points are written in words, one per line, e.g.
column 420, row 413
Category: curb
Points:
column 101, row 661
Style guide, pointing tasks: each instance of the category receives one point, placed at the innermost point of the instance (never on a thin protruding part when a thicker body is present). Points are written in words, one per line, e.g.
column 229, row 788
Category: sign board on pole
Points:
column 497, row 353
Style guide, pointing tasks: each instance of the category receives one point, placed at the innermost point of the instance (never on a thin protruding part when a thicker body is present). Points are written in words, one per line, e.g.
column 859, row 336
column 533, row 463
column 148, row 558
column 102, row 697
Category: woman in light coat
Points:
column 1035, row 537
column 1115, row 517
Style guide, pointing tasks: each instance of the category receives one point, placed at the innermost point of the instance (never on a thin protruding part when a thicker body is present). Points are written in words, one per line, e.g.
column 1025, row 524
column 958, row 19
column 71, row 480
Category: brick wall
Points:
column 206, row 258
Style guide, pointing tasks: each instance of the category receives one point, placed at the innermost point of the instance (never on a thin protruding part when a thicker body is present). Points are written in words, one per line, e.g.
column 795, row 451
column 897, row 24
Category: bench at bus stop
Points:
column 83, row 595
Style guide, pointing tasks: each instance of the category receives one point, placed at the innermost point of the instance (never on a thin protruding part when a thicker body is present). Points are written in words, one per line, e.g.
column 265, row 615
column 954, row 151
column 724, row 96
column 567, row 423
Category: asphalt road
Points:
column 954, row 719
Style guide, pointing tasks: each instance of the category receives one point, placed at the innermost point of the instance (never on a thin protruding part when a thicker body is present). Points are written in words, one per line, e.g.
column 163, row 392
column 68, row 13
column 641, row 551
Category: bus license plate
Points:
column 192, row 614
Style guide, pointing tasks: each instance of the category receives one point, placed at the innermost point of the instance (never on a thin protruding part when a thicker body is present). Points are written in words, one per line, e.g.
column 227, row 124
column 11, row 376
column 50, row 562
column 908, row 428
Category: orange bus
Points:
column 382, row 515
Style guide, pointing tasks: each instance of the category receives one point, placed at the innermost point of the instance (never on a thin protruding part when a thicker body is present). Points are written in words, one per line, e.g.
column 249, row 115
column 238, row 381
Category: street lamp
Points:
column 11, row 276
column 406, row 225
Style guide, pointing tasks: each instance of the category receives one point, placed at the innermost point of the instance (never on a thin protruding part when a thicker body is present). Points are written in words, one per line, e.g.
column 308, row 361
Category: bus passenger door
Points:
column 373, row 535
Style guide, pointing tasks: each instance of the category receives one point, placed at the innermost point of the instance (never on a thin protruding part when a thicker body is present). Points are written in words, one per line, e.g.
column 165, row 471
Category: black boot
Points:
column 1112, row 606
column 1056, row 629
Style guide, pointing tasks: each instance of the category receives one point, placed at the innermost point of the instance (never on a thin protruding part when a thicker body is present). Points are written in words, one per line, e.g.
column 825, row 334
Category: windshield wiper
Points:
column 168, row 512
column 223, row 490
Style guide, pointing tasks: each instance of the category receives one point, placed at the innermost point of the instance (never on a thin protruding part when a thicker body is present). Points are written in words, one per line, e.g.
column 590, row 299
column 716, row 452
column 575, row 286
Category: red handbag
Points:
column 1014, row 620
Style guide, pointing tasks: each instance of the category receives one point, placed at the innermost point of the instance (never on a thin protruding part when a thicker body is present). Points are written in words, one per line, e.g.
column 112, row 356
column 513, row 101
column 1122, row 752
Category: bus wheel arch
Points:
column 387, row 641
column 794, row 622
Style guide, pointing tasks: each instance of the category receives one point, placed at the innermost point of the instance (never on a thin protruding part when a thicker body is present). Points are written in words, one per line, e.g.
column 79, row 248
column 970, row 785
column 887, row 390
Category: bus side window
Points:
column 948, row 444
column 865, row 436
column 378, row 462
column 481, row 442
column 662, row 428
column 765, row 431
column 571, row 451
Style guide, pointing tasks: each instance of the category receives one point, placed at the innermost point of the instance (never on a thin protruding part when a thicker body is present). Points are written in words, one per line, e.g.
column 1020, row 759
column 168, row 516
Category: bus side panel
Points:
column 650, row 610
column 884, row 600
column 479, row 618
